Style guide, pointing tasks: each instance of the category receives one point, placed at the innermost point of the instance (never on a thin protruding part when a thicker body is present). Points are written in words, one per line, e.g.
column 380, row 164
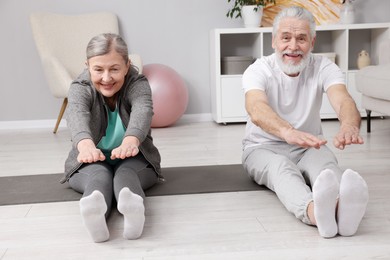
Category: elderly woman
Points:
column 109, row 115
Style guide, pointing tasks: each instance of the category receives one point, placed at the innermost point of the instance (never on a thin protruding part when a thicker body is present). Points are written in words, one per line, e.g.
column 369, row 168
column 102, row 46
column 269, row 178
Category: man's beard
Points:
column 290, row 68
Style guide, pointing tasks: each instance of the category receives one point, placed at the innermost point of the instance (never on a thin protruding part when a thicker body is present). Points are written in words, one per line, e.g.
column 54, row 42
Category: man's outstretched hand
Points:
column 347, row 135
column 302, row 139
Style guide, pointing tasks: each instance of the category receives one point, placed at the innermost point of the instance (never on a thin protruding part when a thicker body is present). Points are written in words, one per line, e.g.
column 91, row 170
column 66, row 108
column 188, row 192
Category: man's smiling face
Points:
column 293, row 44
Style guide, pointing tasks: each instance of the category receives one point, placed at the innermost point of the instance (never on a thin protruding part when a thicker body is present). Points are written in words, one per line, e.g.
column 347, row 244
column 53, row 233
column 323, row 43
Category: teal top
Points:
column 114, row 135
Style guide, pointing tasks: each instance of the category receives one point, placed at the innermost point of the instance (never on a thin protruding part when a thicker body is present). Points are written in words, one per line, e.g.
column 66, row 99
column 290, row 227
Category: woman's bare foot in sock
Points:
column 132, row 207
column 92, row 209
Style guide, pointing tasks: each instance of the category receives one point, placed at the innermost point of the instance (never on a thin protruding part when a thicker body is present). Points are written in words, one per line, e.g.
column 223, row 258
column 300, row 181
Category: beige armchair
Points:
column 61, row 42
column 374, row 84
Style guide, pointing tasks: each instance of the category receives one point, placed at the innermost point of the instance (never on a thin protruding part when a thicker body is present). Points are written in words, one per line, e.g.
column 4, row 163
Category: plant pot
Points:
column 347, row 13
column 251, row 17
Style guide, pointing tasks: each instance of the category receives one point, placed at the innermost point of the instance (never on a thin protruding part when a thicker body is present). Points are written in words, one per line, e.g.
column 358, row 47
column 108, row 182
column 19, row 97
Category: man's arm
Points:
column 262, row 115
column 348, row 115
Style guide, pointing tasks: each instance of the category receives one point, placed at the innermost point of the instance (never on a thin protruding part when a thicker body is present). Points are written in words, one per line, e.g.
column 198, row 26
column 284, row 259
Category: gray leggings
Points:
column 289, row 171
column 135, row 173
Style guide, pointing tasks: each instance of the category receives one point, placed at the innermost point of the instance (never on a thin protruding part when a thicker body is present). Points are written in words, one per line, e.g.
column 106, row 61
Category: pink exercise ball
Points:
column 169, row 94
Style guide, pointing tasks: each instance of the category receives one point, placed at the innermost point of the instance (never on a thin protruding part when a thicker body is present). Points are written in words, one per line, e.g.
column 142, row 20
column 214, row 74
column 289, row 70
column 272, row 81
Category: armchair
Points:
column 374, row 84
column 61, row 41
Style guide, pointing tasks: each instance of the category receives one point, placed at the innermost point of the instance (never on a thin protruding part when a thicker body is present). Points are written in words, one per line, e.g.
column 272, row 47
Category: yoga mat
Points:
column 179, row 180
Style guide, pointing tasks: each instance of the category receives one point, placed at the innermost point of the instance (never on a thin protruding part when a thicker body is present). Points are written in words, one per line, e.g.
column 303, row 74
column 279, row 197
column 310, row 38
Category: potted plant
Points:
column 250, row 10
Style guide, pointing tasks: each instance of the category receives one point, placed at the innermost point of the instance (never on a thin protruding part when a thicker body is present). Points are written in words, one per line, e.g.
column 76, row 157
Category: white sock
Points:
column 93, row 208
column 325, row 193
column 352, row 203
column 132, row 207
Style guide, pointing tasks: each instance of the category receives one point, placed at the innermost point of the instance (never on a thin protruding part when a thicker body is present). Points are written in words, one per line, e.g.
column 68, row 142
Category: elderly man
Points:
column 283, row 146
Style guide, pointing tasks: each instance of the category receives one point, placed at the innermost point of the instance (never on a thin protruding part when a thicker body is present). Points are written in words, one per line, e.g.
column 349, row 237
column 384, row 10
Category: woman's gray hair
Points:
column 295, row 12
column 103, row 43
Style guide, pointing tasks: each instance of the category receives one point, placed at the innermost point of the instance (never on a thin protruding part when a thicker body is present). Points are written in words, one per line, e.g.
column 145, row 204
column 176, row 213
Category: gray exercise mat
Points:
column 179, row 180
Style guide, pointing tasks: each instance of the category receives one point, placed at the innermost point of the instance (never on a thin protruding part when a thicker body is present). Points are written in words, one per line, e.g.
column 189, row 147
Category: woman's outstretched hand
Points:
column 88, row 153
column 128, row 148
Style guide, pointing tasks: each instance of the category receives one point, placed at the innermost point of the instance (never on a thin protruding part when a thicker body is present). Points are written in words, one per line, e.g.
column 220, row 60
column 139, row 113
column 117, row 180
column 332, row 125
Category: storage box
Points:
column 329, row 55
column 235, row 64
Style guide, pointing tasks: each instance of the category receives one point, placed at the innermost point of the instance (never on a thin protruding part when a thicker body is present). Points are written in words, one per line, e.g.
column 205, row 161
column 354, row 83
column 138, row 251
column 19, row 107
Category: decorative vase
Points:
column 251, row 17
column 347, row 13
column 363, row 59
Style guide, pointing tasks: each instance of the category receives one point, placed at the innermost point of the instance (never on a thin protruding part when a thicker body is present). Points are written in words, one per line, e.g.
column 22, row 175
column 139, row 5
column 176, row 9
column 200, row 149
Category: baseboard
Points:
column 50, row 123
column 30, row 124
column 195, row 118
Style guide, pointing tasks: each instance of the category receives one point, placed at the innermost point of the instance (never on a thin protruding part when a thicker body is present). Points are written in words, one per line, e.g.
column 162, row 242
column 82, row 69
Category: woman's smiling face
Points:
column 108, row 73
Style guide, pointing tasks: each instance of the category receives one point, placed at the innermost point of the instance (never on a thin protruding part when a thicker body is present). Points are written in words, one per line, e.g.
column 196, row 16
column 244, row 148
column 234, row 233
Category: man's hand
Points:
column 347, row 135
column 348, row 115
column 88, row 153
column 302, row 139
column 128, row 148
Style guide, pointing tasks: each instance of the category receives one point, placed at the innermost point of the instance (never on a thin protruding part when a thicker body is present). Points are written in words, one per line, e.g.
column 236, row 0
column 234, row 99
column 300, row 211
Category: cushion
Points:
column 374, row 81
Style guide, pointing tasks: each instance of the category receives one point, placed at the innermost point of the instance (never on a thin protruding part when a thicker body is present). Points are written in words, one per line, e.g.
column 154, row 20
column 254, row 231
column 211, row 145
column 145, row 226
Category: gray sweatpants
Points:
column 134, row 172
column 289, row 171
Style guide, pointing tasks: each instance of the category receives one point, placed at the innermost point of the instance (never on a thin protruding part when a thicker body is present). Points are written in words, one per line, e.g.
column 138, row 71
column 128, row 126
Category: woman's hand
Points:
column 88, row 153
column 128, row 148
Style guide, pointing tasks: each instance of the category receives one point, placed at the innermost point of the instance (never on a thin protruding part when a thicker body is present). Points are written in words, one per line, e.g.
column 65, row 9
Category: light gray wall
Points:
column 171, row 32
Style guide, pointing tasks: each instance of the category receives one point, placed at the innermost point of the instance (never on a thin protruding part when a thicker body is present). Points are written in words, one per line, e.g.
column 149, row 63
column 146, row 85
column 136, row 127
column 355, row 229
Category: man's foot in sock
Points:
column 325, row 193
column 352, row 203
column 132, row 207
column 93, row 208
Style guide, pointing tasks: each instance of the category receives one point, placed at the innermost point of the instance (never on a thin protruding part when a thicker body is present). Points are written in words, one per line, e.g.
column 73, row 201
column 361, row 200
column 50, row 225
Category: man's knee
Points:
column 265, row 169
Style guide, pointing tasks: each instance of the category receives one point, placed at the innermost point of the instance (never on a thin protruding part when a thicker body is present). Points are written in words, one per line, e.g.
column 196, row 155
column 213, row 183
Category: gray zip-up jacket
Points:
column 87, row 116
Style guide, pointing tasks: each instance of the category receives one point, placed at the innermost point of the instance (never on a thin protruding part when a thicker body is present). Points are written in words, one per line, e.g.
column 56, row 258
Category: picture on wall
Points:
column 324, row 11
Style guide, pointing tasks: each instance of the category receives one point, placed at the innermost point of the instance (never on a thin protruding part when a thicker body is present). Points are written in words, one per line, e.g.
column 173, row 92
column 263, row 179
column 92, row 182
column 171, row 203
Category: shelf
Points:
column 345, row 40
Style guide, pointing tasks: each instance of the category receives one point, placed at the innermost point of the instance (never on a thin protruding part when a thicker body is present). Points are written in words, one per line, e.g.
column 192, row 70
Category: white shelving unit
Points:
column 346, row 40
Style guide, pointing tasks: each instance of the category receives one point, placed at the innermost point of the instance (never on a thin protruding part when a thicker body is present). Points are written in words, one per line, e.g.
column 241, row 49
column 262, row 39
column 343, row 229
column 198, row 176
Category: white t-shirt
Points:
column 297, row 100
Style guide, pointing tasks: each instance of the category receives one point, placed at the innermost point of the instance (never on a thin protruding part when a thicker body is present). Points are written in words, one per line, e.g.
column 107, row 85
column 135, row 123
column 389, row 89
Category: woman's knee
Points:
column 148, row 177
column 90, row 175
column 97, row 176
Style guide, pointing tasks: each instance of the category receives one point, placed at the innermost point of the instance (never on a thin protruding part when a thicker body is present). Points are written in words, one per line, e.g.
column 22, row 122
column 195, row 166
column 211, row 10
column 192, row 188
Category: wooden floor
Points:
column 233, row 225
